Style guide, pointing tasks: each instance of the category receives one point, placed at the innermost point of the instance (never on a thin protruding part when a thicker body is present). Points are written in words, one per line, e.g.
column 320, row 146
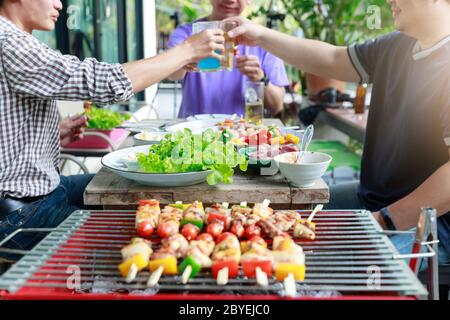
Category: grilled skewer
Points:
column 226, row 257
column 170, row 220
column 147, row 216
column 197, row 257
column 218, row 219
column 192, row 222
column 257, row 260
column 135, row 258
column 306, row 229
column 289, row 263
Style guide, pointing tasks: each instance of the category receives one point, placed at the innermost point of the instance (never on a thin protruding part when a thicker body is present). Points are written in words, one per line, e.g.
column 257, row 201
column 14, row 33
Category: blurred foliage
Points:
column 339, row 22
column 188, row 11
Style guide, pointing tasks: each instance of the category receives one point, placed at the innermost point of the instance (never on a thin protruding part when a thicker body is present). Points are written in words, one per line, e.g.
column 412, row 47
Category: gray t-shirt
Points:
column 408, row 131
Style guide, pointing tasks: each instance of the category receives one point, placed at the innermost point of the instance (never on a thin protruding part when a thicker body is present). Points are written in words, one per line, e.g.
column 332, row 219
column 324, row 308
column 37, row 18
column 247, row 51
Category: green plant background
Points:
column 339, row 22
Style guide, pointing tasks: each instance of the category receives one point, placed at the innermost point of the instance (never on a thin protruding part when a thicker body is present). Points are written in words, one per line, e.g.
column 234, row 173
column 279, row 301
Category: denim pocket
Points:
column 16, row 220
column 20, row 217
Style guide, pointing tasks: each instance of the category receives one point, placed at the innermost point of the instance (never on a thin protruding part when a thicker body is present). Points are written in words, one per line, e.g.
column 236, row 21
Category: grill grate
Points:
column 349, row 247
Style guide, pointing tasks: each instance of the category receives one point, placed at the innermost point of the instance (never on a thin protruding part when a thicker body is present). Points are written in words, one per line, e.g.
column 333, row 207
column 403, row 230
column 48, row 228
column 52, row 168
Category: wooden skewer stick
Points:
column 186, row 274
column 261, row 277
column 289, row 286
column 222, row 277
column 132, row 273
column 154, row 277
column 316, row 209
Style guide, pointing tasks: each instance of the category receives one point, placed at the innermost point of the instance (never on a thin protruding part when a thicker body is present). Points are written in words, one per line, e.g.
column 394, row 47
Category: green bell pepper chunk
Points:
column 190, row 261
column 195, row 222
column 177, row 205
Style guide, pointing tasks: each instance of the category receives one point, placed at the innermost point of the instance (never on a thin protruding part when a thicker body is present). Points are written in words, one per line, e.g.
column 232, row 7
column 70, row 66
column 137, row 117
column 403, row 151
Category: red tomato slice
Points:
column 213, row 216
column 167, row 229
column 252, row 230
column 238, row 230
column 148, row 202
column 232, row 265
column 215, row 229
column 249, row 267
column 190, row 231
column 145, row 229
column 224, row 236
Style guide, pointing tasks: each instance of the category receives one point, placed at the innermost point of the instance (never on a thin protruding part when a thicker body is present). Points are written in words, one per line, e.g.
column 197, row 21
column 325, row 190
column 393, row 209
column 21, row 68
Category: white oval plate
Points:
column 196, row 126
column 117, row 163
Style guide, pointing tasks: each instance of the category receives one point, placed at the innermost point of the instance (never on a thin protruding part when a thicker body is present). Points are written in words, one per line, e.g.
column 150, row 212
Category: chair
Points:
column 79, row 151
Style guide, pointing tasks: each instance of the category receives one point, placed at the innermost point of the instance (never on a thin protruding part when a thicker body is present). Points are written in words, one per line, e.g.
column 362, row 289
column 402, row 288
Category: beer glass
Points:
column 254, row 102
column 209, row 64
column 230, row 46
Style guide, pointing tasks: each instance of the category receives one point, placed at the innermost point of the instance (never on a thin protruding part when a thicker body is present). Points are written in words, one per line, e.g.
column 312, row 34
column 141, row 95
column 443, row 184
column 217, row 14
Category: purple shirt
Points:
column 223, row 91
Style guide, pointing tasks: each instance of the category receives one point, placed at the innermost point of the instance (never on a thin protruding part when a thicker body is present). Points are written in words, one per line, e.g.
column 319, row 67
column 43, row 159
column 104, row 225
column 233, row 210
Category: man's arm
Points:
column 308, row 55
column 274, row 98
column 434, row 192
column 147, row 72
column 177, row 75
column 33, row 71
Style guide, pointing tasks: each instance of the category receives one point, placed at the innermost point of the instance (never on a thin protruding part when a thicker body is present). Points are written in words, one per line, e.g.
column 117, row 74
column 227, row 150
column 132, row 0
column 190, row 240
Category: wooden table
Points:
column 114, row 192
column 347, row 121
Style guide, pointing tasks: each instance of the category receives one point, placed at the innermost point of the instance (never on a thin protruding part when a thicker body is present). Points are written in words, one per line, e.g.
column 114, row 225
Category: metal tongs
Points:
column 426, row 238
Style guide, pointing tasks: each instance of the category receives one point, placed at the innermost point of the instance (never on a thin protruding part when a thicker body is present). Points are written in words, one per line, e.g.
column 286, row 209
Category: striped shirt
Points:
column 32, row 78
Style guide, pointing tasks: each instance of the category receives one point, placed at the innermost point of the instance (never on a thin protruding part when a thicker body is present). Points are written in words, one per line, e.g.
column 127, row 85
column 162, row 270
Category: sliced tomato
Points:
column 261, row 137
column 145, row 229
column 232, row 265
column 252, row 230
column 224, row 236
column 167, row 229
column 238, row 230
column 148, row 202
column 249, row 267
column 190, row 231
column 215, row 216
column 215, row 229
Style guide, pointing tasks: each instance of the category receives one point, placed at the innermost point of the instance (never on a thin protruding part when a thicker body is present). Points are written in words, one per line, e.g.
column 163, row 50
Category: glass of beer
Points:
column 254, row 102
column 230, row 46
column 208, row 64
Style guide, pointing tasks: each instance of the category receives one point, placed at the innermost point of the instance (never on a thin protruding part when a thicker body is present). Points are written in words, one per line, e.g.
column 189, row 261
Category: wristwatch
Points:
column 387, row 219
column 265, row 79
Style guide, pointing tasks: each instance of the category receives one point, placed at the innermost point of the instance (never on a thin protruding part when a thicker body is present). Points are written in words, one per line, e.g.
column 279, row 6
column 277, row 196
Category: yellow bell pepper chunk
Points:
column 290, row 138
column 277, row 141
column 282, row 270
column 169, row 264
column 138, row 260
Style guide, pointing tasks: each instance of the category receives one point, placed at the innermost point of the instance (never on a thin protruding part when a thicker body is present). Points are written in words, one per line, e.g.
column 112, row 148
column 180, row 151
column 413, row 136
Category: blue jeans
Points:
column 47, row 212
column 345, row 196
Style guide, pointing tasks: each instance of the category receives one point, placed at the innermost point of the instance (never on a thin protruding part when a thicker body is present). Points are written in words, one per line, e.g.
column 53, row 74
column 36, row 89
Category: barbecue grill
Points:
column 350, row 258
